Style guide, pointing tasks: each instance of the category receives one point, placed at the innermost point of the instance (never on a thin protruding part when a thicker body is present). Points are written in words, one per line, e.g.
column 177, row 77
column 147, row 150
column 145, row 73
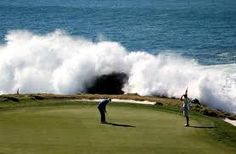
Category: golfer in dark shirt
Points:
column 102, row 109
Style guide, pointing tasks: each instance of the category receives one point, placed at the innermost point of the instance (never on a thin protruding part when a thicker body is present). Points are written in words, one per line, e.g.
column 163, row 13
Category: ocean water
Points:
column 201, row 29
column 62, row 46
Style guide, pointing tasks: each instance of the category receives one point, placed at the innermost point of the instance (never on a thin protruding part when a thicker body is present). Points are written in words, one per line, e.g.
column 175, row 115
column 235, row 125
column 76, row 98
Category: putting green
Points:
column 76, row 129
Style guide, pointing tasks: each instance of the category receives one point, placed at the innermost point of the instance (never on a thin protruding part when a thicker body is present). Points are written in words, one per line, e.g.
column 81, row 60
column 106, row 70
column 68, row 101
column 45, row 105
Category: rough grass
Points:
column 63, row 126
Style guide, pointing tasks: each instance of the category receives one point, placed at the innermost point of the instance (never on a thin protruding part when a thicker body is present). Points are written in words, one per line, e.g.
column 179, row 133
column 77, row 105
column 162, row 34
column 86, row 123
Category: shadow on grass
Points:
column 193, row 126
column 119, row 125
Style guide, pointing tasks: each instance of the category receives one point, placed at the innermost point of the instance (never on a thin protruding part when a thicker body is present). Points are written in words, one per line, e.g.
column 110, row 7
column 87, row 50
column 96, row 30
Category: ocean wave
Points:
column 59, row 63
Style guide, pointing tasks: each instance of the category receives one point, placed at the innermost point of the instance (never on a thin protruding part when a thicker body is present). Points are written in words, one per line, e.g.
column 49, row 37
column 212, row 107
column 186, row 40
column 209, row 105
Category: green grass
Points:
column 60, row 126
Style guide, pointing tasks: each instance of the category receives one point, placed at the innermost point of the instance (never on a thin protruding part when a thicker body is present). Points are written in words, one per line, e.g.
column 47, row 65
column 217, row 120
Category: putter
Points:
column 108, row 119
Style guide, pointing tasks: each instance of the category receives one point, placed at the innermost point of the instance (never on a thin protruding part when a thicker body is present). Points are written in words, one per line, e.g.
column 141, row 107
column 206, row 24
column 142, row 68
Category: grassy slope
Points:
column 60, row 126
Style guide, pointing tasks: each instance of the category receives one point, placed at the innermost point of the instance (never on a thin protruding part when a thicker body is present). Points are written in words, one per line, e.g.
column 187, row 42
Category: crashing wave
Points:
column 60, row 63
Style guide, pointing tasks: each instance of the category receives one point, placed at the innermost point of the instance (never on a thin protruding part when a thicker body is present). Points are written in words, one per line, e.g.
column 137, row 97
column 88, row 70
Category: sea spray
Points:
column 59, row 63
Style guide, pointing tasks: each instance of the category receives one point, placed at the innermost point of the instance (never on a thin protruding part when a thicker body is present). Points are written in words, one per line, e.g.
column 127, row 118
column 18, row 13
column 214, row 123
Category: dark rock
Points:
column 158, row 103
column 195, row 101
column 37, row 97
column 9, row 98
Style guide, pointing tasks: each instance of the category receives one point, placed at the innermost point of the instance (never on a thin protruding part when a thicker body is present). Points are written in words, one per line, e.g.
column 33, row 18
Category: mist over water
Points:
column 59, row 63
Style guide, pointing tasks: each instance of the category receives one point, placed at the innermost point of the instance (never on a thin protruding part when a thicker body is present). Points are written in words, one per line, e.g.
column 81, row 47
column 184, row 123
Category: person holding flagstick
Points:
column 186, row 106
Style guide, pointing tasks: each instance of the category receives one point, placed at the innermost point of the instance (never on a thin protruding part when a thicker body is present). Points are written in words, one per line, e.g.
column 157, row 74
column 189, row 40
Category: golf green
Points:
column 76, row 129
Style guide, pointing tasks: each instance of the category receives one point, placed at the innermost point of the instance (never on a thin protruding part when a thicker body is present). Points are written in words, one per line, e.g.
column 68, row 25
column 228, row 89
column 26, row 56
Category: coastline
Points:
column 126, row 98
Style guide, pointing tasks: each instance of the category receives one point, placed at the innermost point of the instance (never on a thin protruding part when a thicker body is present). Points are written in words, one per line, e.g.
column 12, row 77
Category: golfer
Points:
column 102, row 109
column 186, row 107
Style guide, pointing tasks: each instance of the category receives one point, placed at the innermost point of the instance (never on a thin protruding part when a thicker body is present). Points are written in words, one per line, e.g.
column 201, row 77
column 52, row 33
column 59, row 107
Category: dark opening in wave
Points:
column 109, row 84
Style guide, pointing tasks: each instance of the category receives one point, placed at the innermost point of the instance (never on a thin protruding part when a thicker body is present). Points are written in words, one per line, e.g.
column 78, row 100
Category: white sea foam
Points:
column 60, row 63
